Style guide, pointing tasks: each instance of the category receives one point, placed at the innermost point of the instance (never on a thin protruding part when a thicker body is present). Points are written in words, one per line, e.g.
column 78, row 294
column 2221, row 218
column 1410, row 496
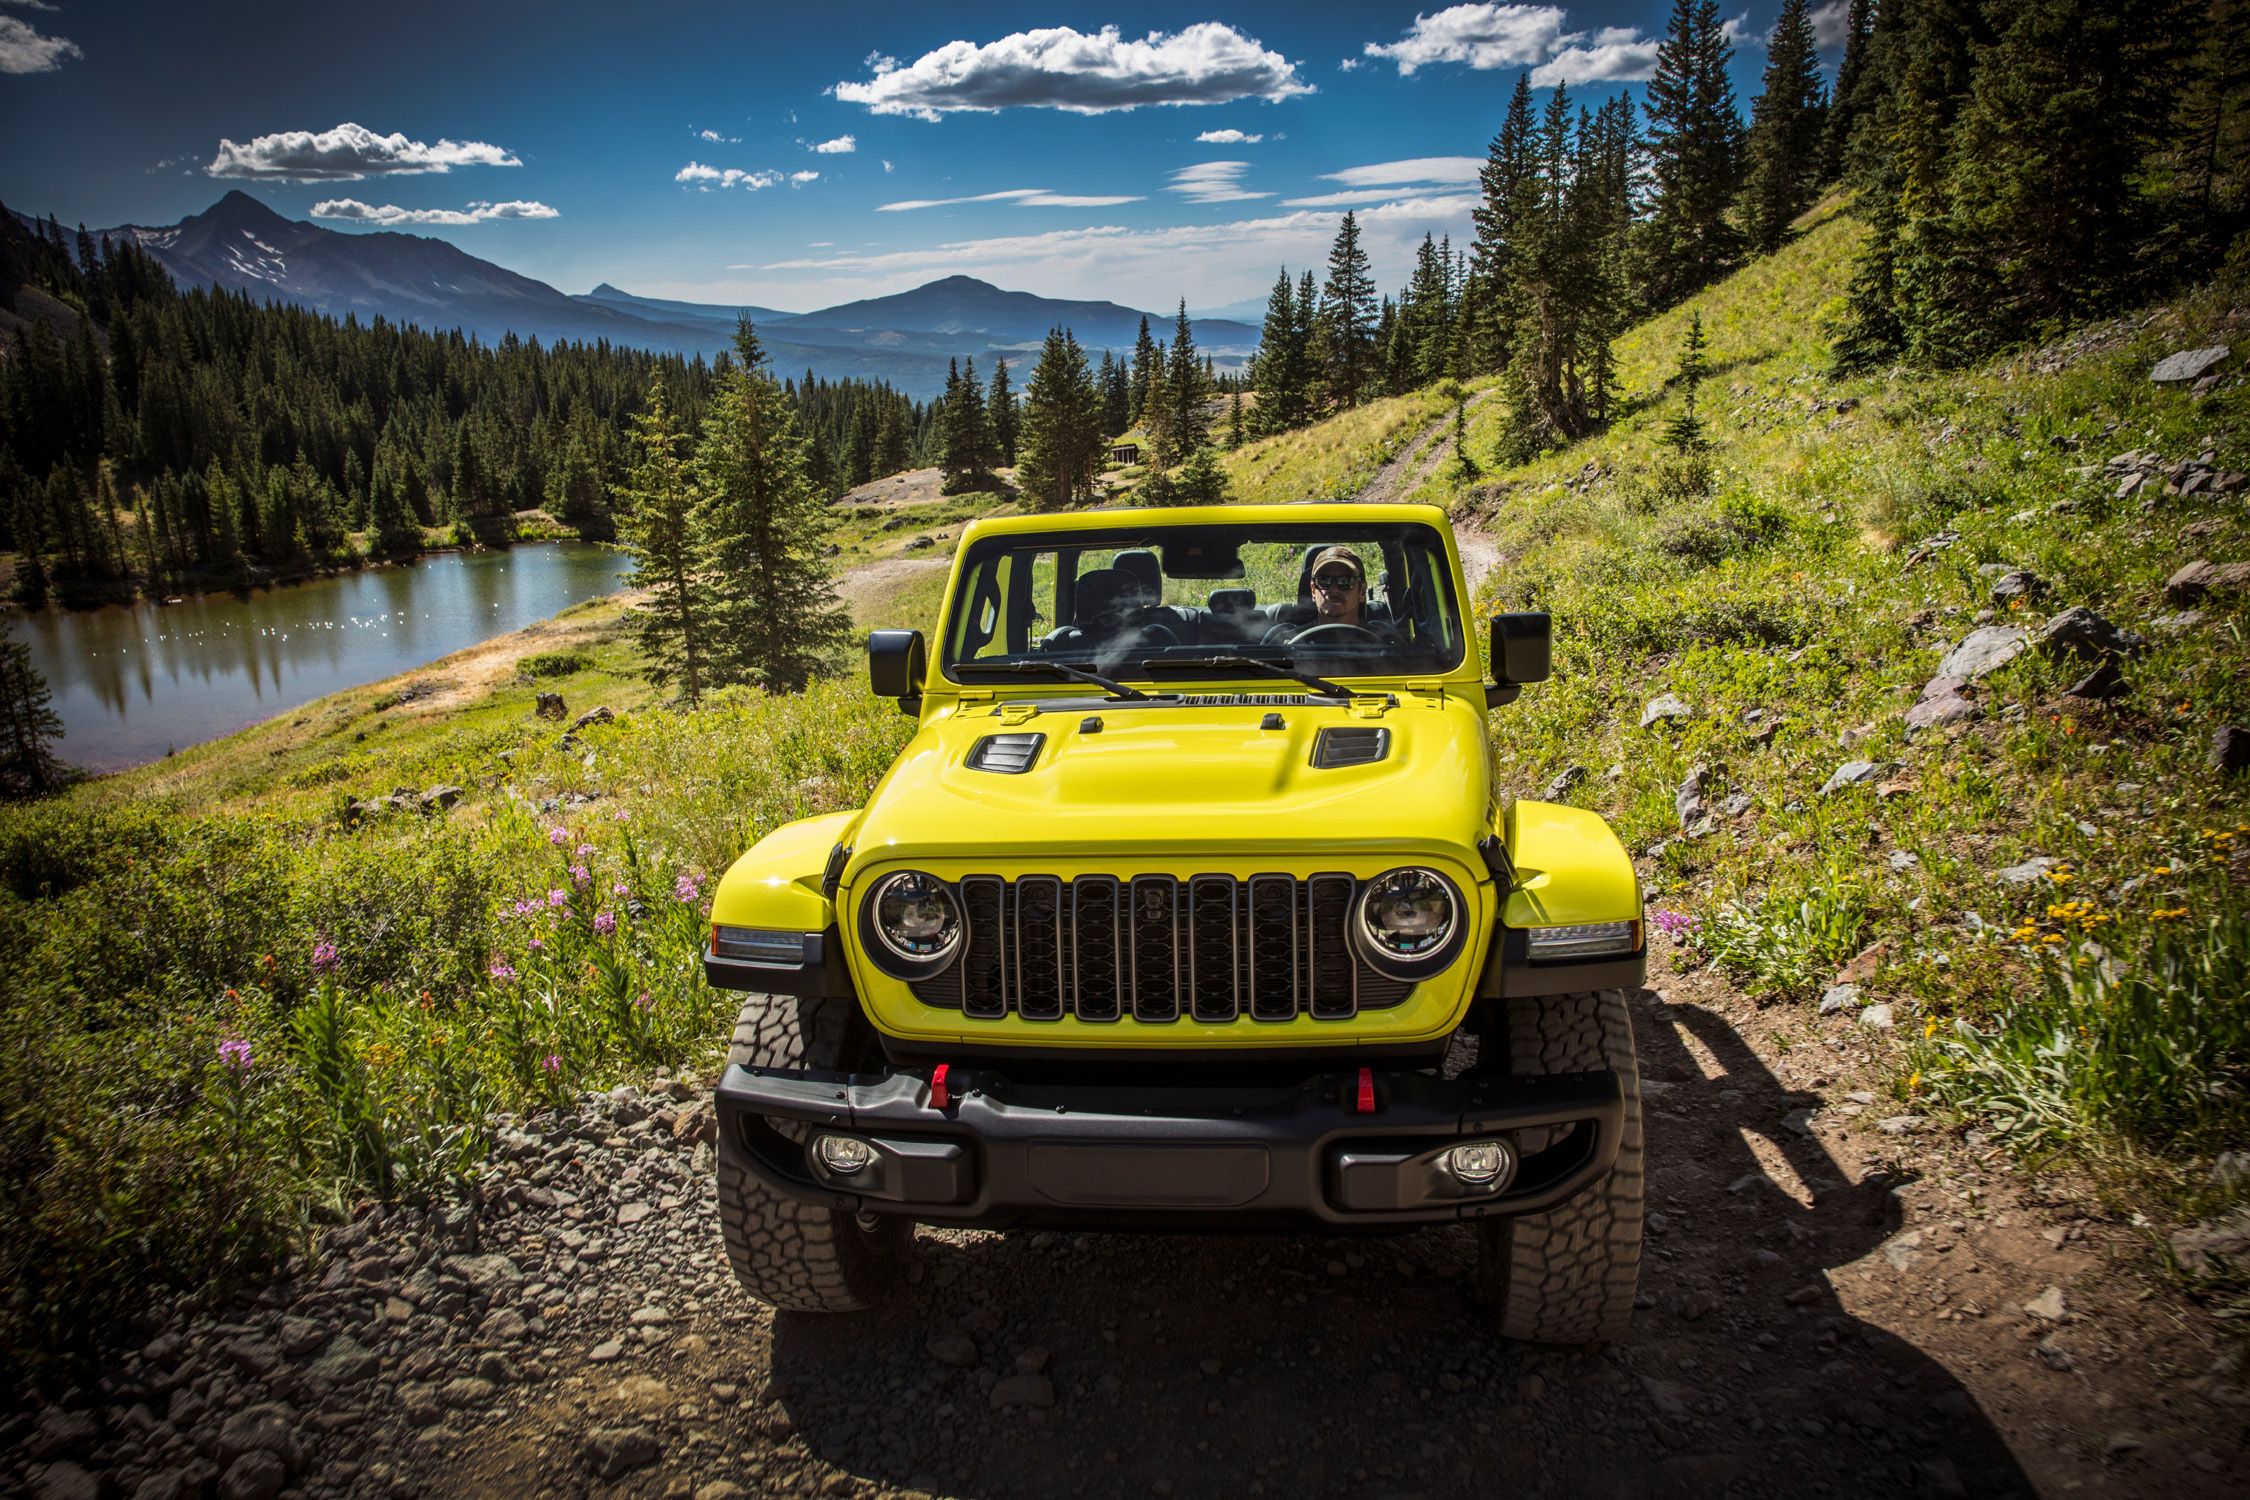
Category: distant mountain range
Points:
column 241, row 245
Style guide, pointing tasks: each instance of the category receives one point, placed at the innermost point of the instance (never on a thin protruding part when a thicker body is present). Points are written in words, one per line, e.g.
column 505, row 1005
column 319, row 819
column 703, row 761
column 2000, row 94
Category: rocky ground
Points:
column 1839, row 1299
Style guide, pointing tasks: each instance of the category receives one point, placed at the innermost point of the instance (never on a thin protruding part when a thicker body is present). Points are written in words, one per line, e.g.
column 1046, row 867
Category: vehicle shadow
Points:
column 1193, row 1366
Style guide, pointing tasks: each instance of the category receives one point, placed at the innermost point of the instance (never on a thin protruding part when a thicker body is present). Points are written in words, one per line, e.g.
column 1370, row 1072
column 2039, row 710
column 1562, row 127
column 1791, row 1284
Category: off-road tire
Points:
column 1568, row 1276
column 801, row 1257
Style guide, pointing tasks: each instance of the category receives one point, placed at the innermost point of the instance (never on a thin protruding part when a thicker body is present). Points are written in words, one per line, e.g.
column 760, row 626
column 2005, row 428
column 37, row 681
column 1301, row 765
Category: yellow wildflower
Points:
column 1929, row 1028
column 1914, row 1081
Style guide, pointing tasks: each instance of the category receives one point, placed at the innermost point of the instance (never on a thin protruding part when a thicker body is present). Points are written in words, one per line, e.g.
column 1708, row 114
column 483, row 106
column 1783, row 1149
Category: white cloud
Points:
column 703, row 178
column 1348, row 65
column 1213, row 182
column 347, row 154
column 1143, row 267
column 1481, row 36
column 799, row 179
column 1057, row 67
column 1022, row 197
column 28, row 4
column 843, row 145
column 887, row 165
column 25, row 49
column 717, row 139
column 1228, row 138
column 1616, row 54
column 389, row 215
column 1447, row 169
column 1831, row 24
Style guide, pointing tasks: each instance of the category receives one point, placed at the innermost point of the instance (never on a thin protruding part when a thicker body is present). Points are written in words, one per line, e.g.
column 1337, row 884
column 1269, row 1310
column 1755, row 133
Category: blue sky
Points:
column 672, row 149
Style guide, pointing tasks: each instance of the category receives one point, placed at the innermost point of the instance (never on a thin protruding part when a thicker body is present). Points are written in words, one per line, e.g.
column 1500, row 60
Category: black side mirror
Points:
column 1522, row 651
column 897, row 661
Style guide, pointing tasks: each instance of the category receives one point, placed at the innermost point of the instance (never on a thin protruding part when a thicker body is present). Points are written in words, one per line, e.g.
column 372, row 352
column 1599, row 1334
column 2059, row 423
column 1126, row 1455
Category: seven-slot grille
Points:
column 1156, row 948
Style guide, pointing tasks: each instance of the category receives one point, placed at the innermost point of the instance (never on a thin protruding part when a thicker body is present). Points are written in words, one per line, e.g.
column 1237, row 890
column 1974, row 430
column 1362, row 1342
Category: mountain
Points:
column 240, row 245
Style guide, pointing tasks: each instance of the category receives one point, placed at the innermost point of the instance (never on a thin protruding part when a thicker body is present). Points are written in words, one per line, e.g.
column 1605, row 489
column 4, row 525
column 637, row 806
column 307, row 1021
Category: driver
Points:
column 1339, row 593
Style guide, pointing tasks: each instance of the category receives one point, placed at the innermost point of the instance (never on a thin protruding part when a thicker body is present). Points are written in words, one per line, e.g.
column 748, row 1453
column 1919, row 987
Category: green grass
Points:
column 1332, row 460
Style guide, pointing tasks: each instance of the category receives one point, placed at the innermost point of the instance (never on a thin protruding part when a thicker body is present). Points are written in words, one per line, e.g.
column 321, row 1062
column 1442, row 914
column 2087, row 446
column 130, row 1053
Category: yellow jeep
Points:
column 1191, row 905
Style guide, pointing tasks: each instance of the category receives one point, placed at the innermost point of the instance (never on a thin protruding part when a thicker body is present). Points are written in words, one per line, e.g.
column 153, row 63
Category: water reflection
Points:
column 133, row 682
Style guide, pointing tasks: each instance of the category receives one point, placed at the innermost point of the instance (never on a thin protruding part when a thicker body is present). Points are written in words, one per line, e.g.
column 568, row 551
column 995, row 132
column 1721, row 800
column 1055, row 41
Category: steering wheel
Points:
column 1335, row 630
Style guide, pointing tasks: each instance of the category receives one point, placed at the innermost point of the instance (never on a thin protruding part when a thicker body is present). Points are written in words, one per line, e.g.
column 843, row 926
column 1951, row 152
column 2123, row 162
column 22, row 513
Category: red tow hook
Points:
column 939, row 1096
column 1366, row 1101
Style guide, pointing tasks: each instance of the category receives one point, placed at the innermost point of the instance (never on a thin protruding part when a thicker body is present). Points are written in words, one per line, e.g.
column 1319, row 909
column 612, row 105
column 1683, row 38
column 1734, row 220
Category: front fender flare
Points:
column 776, row 887
column 1569, row 869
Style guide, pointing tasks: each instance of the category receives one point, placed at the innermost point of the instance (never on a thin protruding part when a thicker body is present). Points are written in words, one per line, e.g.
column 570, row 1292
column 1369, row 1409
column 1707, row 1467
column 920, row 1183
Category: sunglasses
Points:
column 1336, row 581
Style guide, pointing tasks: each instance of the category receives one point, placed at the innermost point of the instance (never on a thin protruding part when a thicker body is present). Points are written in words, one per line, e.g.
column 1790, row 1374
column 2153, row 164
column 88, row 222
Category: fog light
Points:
column 842, row 1155
column 1479, row 1163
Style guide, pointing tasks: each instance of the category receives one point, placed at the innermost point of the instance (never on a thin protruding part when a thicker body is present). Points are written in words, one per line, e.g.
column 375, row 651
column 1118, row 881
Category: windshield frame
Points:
column 1073, row 543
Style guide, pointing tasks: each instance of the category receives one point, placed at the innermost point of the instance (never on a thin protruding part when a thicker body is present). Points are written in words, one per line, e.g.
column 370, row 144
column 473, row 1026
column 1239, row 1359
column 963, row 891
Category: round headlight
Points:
column 916, row 917
column 1407, row 913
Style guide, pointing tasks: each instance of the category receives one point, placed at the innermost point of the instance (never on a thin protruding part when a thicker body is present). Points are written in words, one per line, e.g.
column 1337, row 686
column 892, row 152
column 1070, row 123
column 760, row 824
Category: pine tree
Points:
column 1114, row 385
column 1000, row 407
column 1464, row 464
column 1845, row 106
column 390, row 531
column 1694, row 149
column 28, row 725
column 1506, row 181
column 1684, row 434
column 1234, row 419
column 1145, row 367
column 1347, row 318
column 1201, row 480
column 965, row 442
column 1784, row 171
column 1280, row 375
column 1186, row 388
column 1061, row 444
column 660, row 535
column 762, row 528
column 2205, row 163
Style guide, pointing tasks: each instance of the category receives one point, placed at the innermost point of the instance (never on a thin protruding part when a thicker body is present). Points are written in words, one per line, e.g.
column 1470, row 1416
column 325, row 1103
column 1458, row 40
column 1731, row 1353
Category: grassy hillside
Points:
column 2047, row 896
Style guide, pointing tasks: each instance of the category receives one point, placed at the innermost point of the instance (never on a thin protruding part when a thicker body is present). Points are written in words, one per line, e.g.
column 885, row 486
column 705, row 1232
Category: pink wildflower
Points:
column 686, row 888
column 584, row 851
column 605, row 923
column 558, row 836
column 552, row 1064
column 323, row 957
column 621, row 889
column 580, row 876
column 646, row 1001
column 537, row 946
column 502, row 972
column 558, row 897
column 235, row 1054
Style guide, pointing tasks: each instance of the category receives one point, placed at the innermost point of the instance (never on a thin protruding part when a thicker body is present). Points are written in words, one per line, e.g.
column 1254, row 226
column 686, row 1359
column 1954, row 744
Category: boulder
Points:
column 2081, row 634
column 1984, row 651
column 2230, row 748
column 2198, row 578
column 1565, row 780
column 1850, row 773
column 1687, row 798
column 1938, row 712
column 2187, row 365
column 551, row 706
column 613, row 1452
column 1662, row 707
column 601, row 714
column 440, row 797
column 2016, row 583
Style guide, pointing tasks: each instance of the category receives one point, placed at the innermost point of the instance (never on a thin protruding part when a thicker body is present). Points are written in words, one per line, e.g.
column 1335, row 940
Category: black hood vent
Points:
column 1350, row 745
column 1005, row 754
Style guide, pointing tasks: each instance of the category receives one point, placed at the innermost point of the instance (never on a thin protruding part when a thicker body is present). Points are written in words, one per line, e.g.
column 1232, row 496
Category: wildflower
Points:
column 558, row 897
column 1672, row 923
column 619, row 815
column 646, row 1001
column 437, row 1038
column 232, row 995
column 552, row 1063
column 502, row 972
column 605, row 923
column 584, row 851
column 580, row 876
column 267, row 960
column 537, row 945
column 620, row 888
column 1929, row 1027
column 558, row 837
column 686, row 888
column 323, row 957
column 1914, row 1081
column 235, row 1054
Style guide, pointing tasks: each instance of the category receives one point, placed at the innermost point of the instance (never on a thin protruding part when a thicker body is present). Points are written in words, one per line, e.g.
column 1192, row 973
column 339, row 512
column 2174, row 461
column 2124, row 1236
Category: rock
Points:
column 2016, row 583
column 950, row 1346
column 613, row 1452
column 253, row 1476
column 1568, row 778
column 1687, row 798
column 633, row 1213
column 1939, row 1479
column 1900, row 1124
column 551, row 706
column 1902, row 1250
column 695, row 1126
column 2196, row 579
column 1736, row 805
column 1850, row 773
column 1023, row 1390
column 1668, row 1399
column 503, row 1325
column 2101, row 685
column 2047, row 1307
column 2179, row 622
column 1837, row 997
column 1877, row 1016
column 605, row 1351
column 1662, row 707
column 2214, row 1245
column 1938, row 712
column 467, row 1390
column 1984, row 651
column 268, row 1427
column 2030, row 872
column 60, row 1432
column 301, row 1336
column 165, row 1484
column 2232, row 1169
column 1799, row 1122
column 2187, row 365
column 600, row 714
column 1033, row 1361
column 440, row 797
column 1900, row 861
column 2081, row 634
column 66, row 1481
column 920, row 543
column 2230, row 748
column 722, row 1489
column 346, row 1361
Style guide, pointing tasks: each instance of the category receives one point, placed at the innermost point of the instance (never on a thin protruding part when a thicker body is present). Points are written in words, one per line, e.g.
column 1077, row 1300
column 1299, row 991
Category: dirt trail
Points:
column 1418, row 459
column 1835, row 1301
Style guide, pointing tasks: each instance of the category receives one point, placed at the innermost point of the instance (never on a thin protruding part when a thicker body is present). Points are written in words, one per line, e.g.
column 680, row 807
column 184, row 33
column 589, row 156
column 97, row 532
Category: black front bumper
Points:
column 1003, row 1152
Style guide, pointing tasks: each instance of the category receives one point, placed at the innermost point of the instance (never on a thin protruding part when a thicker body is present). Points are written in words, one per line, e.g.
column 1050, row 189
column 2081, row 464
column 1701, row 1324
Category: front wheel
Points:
column 1569, row 1275
column 797, row 1256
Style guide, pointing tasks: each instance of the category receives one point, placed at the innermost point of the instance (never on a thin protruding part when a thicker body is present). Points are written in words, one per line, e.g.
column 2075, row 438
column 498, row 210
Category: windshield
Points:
column 1369, row 599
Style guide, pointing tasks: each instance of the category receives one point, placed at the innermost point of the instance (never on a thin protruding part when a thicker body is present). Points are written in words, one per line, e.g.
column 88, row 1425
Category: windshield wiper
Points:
column 1264, row 666
column 1115, row 688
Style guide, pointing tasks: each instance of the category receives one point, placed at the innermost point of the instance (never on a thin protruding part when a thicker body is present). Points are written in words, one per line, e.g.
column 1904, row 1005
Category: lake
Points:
column 134, row 682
